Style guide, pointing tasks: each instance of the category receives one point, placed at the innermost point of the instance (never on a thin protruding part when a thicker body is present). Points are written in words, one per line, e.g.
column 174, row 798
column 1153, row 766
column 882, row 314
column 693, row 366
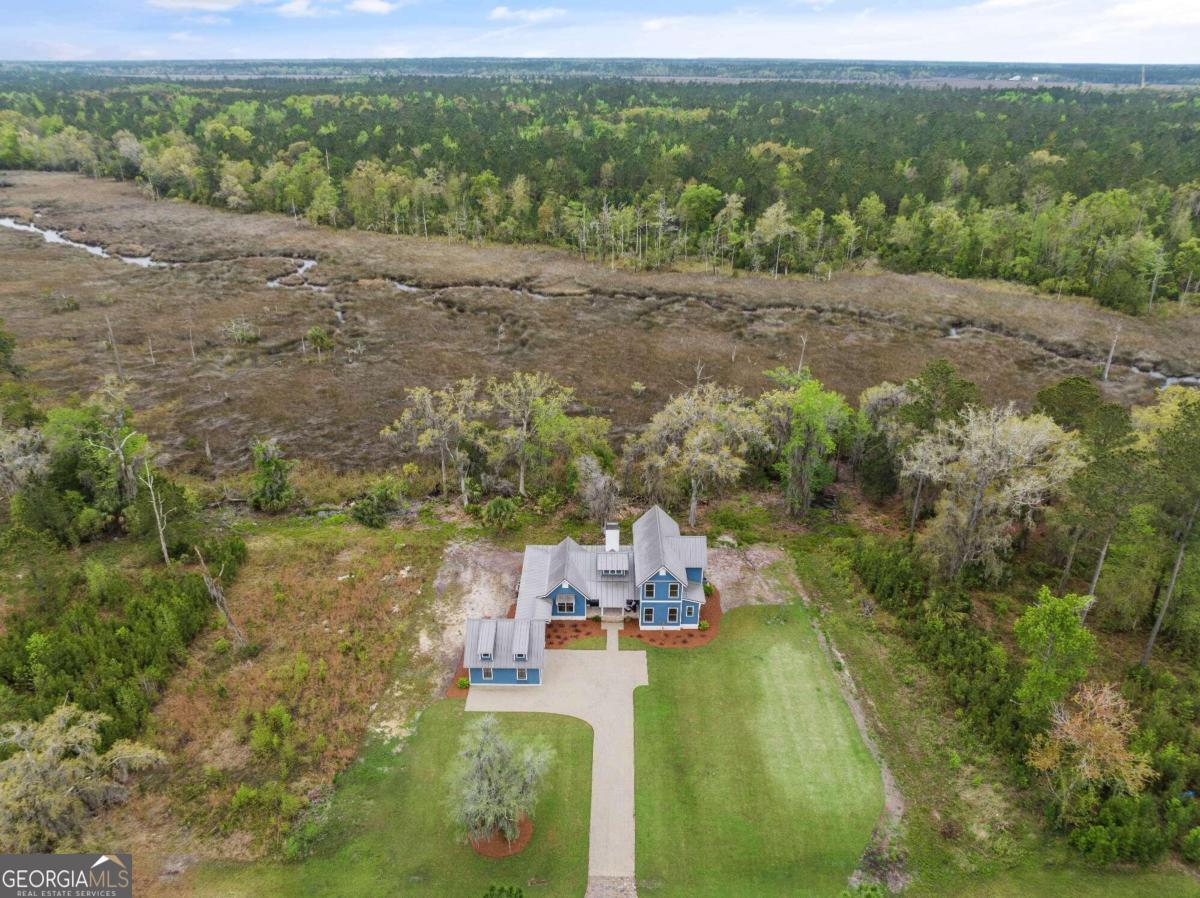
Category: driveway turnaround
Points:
column 596, row 687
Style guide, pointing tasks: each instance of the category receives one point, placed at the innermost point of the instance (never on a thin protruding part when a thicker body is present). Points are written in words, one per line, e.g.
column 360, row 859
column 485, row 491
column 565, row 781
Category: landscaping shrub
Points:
column 462, row 683
column 382, row 498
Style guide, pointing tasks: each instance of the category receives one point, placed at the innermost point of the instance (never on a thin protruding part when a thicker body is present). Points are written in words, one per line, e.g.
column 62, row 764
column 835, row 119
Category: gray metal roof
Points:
column 487, row 638
column 508, row 636
column 609, row 578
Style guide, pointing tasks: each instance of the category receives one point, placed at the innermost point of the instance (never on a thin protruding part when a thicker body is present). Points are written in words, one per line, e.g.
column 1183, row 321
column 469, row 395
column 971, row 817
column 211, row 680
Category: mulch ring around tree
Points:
column 498, row 846
column 561, row 632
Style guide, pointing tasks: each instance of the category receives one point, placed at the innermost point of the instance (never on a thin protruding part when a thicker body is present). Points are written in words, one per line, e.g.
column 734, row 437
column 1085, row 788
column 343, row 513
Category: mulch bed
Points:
column 561, row 632
column 498, row 846
column 453, row 691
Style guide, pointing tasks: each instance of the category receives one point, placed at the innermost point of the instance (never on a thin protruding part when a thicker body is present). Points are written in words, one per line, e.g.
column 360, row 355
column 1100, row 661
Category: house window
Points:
column 647, row 615
column 691, row 610
column 487, row 673
column 648, row 591
column 520, row 656
column 522, row 675
column 673, row 591
column 486, row 656
column 566, row 606
column 672, row 615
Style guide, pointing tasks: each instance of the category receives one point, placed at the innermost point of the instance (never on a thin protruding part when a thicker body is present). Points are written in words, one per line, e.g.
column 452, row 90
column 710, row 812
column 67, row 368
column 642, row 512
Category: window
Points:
column 566, row 605
column 648, row 591
column 647, row 615
column 520, row 656
column 673, row 591
column 487, row 673
column 672, row 615
column 486, row 656
column 522, row 675
column 691, row 611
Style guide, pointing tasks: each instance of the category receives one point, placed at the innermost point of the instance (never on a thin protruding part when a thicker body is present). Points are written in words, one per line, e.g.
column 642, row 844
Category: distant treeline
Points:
column 1071, row 191
column 491, row 66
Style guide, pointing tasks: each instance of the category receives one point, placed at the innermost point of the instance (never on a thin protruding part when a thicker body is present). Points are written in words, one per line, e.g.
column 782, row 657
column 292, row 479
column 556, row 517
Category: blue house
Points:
column 659, row 581
column 505, row 652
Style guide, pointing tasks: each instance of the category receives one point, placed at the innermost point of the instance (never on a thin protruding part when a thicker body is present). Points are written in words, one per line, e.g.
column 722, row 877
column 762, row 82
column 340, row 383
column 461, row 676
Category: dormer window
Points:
column 519, row 656
column 486, row 656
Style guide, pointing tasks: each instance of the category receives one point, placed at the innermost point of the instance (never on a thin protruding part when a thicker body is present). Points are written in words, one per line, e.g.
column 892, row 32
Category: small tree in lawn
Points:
column 271, row 490
column 1058, row 649
column 495, row 782
column 55, row 775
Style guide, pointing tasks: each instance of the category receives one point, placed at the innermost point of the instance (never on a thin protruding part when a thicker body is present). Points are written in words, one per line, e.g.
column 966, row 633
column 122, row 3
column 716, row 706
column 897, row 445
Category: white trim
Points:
column 673, row 588
column 653, row 590
column 522, row 675
column 645, row 609
column 560, row 602
column 690, row 611
column 673, row 611
column 488, row 675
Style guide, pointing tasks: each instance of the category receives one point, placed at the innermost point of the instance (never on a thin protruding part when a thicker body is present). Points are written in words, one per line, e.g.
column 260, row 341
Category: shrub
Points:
column 1190, row 846
column 704, row 625
column 381, row 499
column 500, row 513
column 241, row 331
column 271, row 490
column 462, row 683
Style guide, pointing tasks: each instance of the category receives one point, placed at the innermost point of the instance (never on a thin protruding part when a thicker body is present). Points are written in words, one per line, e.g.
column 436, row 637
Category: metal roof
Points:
column 608, row 578
column 612, row 562
column 507, row 633
column 487, row 638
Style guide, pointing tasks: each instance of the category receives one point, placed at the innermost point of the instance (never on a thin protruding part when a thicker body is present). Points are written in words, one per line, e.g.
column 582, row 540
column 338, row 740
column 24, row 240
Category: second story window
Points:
column 648, row 591
column 673, row 591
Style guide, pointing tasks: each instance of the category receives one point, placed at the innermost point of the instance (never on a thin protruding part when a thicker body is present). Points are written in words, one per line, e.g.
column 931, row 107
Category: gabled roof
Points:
column 509, row 637
column 658, row 545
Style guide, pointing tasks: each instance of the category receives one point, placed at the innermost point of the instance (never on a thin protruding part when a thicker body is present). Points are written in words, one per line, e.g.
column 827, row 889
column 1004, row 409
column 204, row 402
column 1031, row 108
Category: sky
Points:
column 1120, row 31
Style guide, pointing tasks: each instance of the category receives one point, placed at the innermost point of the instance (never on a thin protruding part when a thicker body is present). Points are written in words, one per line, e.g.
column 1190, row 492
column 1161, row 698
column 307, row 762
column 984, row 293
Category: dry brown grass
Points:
column 487, row 311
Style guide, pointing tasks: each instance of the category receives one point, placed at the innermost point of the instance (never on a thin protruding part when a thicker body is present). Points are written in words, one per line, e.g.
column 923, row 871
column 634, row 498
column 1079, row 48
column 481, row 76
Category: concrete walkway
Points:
column 596, row 687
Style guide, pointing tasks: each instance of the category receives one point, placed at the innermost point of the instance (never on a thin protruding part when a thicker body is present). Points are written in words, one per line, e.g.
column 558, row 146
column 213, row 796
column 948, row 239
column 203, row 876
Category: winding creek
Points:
column 52, row 236
column 304, row 265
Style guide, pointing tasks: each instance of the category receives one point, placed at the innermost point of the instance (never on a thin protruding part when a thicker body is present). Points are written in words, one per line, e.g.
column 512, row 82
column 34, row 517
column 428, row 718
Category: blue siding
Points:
column 695, row 575
column 661, row 584
column 692, row 619
column 504, row 676
column 580, row 603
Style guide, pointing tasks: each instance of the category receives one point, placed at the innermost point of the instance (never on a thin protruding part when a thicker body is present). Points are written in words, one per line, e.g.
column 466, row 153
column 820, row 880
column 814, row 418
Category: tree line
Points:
column 1069, row 191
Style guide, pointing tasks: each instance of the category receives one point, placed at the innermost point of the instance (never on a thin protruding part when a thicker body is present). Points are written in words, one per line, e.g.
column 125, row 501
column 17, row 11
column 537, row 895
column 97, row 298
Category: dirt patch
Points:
column 754, row 575
column 476, row 579
column 498, row 846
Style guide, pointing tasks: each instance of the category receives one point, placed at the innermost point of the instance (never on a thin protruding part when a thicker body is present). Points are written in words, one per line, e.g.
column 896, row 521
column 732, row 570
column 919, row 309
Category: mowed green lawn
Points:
column 752, row 778
column 389, row 833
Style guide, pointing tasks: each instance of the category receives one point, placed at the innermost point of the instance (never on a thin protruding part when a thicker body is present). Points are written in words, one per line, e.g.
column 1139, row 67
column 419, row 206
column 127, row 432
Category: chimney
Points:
column 612, row 537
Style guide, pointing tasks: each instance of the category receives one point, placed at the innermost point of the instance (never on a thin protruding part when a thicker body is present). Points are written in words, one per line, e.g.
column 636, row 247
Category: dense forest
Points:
column 1081, row 192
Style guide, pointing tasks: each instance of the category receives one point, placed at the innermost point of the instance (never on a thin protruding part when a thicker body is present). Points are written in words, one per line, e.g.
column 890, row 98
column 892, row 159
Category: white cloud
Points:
column 297, row 9
column 374, row 7
column 210, row 20
column 526, row 16
column 662, row 23
column 203, row 5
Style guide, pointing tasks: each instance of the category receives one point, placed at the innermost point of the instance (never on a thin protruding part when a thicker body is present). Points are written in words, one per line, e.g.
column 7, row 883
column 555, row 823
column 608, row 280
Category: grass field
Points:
column 751, row 776
column 388, row 832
